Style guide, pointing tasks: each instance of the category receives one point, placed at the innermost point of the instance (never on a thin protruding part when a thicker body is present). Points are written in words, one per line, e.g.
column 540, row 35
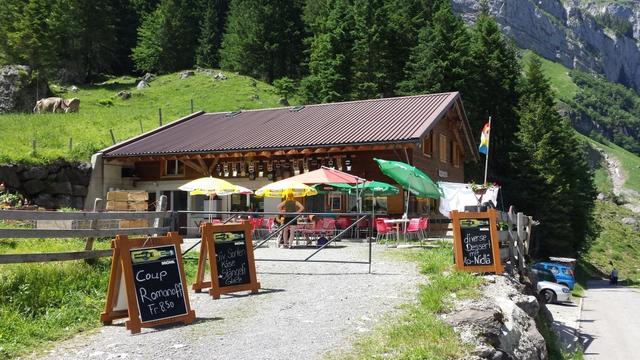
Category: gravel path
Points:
column 303, row 311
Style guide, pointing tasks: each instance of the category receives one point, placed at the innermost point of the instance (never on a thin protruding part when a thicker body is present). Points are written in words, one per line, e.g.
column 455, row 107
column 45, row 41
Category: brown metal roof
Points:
column 389, row 120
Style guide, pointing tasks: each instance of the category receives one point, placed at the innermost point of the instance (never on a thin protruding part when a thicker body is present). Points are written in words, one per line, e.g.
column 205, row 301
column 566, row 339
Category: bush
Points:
column 105, row 102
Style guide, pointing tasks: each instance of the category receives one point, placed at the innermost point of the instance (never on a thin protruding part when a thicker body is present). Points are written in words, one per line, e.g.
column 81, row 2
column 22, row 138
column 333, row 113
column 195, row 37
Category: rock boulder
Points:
column 18, row 88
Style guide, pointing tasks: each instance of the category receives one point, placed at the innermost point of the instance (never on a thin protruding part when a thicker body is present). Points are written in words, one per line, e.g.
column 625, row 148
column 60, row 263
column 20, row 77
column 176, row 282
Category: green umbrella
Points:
column 410, row 177
column 378, row 188
column 332, row 187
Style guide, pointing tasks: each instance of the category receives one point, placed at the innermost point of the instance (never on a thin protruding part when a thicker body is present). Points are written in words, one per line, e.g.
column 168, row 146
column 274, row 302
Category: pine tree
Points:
column 493, row 91
column 441, row 60
column 330, row 57
column 211, row 30
column 167, row 37
column 263, row 38
column 371, row 65
column 554, row 179
column 28, row 38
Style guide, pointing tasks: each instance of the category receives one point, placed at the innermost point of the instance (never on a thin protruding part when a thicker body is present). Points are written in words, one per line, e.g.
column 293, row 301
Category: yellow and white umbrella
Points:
column 285, row 187
column 212, row 186
column 208, row 186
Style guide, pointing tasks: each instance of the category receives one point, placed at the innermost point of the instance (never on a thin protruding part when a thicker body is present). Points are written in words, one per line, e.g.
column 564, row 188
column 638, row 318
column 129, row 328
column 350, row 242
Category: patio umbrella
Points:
column 284, row 187
column 411, row 178
column 378, row 188
column 210, row 186
column 332, row 187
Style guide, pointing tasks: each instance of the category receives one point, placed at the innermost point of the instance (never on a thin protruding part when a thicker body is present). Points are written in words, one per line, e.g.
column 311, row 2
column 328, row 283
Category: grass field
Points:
column 101, row 110
column 45, row 302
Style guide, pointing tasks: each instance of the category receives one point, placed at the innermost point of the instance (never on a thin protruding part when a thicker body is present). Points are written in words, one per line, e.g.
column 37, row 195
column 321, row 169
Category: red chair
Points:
column 424, row 225
column 343, row 223
column 363, row 227
column 414, row 228
column 383, row 230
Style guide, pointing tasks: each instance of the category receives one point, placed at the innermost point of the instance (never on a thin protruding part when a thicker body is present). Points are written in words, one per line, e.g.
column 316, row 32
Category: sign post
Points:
column 475, row 241
column 150, row 272
column 231, row 263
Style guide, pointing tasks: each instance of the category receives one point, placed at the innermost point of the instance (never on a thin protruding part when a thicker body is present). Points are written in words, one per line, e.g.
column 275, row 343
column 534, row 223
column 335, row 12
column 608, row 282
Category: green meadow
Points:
column 102, row 111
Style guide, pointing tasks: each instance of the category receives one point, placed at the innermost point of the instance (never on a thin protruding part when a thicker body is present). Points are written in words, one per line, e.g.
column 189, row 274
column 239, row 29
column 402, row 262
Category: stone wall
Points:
column 52, row 186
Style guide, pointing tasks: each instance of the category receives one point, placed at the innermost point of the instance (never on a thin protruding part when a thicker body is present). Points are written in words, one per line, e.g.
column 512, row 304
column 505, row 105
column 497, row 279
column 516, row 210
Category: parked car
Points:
column 562, row 272
column 551, row 292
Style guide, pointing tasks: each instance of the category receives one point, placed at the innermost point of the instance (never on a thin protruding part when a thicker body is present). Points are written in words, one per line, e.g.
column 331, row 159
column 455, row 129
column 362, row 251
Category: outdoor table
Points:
column 396, row 224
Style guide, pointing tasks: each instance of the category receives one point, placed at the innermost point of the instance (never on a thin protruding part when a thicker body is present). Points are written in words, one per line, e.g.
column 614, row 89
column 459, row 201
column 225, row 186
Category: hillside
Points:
column 101, row 110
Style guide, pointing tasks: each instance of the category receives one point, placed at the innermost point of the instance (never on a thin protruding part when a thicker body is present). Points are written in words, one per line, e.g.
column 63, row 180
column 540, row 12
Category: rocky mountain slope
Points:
column 597, row 36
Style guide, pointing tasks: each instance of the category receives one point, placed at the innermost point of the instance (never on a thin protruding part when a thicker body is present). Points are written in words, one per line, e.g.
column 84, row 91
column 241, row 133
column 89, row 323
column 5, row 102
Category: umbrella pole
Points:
column 210, row 205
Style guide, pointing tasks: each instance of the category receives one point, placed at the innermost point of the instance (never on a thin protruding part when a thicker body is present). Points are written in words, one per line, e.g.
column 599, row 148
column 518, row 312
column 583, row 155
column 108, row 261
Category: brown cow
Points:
column 71, row 105
column 51, row 104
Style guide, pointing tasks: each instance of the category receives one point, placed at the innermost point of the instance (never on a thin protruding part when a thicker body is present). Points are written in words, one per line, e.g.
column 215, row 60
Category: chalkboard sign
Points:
column 231, row 260
column 475, row 241
column 158, row 283
column 234, row 267
column 153, row 275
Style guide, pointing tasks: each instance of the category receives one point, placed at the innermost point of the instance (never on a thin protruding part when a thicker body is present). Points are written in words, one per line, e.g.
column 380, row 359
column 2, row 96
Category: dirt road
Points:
column 610, row 325
column 303, row 311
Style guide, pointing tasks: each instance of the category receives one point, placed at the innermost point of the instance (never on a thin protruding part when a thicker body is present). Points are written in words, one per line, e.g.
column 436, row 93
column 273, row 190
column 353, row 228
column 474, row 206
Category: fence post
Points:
column 521, row 235
column 161, row 207
column 70, row 144
column 141, row 128
column 88, row 246
column 160, row 116
column 113, row 138
column 33, row 146
column 191, row 101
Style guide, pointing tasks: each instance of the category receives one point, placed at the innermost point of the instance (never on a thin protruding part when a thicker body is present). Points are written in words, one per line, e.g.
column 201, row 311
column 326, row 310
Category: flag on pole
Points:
column 484, row 139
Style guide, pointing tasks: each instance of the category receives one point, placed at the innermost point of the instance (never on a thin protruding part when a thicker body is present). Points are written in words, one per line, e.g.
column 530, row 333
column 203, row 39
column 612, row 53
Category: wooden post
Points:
column 512, row 220
column 70, row 144
column 88, row 246
column 160, row 116
column 521, row 236
column 161, row 207
column 191, row 101
column 141, row 128
column 33, row 146
column 113, row 138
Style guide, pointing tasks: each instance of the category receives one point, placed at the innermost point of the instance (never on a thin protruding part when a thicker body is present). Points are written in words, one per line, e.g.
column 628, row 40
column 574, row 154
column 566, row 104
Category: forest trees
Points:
column 554, row 179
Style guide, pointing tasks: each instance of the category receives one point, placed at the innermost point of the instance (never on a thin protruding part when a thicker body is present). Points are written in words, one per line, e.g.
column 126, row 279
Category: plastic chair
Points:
column 383, row 230
column 343, row 223
column 414, row 228
column 363, row 227
column 424, row 226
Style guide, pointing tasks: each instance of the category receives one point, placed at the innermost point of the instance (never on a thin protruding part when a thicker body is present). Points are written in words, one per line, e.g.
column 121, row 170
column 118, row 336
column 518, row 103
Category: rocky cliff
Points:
column 19, row 88
column 590, row 36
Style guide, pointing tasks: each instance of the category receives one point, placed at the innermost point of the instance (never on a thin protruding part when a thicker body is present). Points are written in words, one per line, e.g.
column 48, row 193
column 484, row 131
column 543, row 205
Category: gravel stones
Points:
column 303, row 311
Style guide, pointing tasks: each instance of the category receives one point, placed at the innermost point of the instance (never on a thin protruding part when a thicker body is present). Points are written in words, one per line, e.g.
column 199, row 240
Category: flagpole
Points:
column 486, row 162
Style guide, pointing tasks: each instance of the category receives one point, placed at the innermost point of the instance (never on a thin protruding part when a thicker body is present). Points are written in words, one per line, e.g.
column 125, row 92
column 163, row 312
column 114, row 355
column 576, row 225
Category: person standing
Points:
column 613, row 277
column 289, row 206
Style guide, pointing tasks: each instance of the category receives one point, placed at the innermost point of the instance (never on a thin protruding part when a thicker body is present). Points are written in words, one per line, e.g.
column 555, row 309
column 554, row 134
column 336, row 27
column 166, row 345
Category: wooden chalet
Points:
column 254, row 147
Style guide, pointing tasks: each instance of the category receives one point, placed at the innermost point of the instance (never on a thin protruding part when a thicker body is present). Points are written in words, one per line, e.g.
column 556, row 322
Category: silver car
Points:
column 552, row 292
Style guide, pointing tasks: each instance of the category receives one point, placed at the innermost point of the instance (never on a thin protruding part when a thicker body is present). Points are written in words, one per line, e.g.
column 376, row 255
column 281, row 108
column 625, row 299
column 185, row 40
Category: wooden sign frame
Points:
column 208, row 251
column 490, row 215
column 122, row 269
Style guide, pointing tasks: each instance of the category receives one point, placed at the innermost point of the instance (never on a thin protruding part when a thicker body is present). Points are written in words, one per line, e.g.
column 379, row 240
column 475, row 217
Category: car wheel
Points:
column 548, row 296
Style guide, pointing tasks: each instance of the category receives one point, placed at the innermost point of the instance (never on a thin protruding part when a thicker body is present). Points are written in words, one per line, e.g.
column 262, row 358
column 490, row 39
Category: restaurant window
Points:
column 335, row 202
column 455, row 154
column 174, row 168
column 427, row 144
column 443, row 148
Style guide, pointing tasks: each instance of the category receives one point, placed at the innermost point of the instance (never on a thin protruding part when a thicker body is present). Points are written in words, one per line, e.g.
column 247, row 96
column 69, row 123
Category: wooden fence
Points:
column 519, row 235
column 95, row 222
